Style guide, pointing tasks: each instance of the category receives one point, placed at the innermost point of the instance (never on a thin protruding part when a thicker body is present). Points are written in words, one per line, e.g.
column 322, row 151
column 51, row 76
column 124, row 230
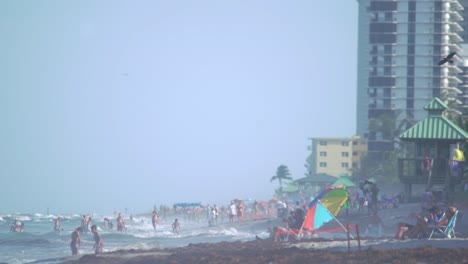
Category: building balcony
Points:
column 455, row 37
column 455, row 5
column 454, row 100
column 453, row 90
column 455, row 15
column 454, row 69
column 454, row 80
column 411, row 171
column 455, row 27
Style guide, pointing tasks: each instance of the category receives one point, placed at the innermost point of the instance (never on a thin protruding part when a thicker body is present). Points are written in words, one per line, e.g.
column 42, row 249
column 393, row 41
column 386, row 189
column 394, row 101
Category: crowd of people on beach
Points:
column 236, row 212
column 292, row 215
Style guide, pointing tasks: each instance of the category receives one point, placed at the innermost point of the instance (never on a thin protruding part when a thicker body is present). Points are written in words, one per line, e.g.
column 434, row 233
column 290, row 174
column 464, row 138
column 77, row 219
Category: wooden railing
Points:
column 412, row 171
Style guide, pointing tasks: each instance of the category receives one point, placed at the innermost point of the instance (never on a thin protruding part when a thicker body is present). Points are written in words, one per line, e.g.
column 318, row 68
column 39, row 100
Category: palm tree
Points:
column 282, row 173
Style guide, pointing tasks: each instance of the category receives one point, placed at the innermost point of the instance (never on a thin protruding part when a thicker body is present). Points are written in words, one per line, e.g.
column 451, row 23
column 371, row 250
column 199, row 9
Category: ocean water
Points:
column 39, row 241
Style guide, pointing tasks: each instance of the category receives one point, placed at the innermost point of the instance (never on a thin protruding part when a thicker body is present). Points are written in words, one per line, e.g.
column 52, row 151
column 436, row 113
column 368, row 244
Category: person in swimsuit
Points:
column 57, row 227
column 176, row 226
column 75, row 241
column 97, row 240
column 154, row 219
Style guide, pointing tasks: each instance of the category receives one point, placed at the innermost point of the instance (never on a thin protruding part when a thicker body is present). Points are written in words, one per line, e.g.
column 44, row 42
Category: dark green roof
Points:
column 435, row 126
column 436, row 105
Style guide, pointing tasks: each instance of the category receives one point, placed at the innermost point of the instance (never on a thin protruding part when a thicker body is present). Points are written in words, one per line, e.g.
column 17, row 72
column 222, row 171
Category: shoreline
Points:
column 315, row 250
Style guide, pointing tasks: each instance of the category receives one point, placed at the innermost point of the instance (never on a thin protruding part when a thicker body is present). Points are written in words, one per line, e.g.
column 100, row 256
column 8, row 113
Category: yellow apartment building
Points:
column 336, row 156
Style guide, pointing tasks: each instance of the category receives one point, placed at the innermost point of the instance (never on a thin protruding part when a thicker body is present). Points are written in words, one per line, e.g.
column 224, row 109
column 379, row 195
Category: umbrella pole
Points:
column 344, row 228
column 302, row 226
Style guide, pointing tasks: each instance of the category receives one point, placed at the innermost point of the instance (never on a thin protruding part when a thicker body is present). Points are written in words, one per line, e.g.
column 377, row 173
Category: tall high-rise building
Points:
column 464, row 24
column 400, row 43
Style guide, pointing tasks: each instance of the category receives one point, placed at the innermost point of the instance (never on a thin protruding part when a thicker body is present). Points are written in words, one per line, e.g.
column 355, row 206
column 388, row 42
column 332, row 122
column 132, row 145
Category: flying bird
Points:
column 448, row 58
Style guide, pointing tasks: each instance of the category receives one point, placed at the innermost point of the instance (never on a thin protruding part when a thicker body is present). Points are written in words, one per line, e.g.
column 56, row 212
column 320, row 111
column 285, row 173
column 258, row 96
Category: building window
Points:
column 355, row 165
column 344, row 154
column 323, row 153
column 322, row 143
column 355, row 142
column 323, row 164
column 344, row 165
column 354, row 153
column 344, row 143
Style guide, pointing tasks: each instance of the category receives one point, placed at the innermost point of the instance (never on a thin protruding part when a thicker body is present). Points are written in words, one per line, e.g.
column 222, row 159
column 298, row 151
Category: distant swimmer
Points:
column 154, row 219
column 75, row 241
column 176, row 226
column 448, row 58
column 57, row 227
column 17, row 226
column 98, row 244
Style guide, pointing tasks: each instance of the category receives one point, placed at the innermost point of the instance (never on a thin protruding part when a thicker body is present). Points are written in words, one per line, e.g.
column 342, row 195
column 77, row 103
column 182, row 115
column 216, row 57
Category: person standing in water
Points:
column 176, row 226
column 154, row 219
column 97, row 240
column 84, row 224
column 120, row 223
column 57, row 227
column 75, row 241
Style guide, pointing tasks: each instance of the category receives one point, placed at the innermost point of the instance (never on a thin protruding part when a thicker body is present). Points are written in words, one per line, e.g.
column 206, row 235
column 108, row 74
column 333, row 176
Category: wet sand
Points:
column 265, row 251
column 319, row 250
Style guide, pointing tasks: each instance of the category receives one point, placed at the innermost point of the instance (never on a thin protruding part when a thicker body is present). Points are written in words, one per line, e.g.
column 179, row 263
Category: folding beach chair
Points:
column 447, row 231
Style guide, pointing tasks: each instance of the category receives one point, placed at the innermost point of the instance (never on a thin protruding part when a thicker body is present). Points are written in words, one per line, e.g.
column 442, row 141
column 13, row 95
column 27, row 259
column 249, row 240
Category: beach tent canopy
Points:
column 345, row 181
column 292, row 187
column 316, row 178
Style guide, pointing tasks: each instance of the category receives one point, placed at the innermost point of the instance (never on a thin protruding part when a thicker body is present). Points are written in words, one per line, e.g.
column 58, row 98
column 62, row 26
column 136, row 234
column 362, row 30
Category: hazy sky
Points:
column 106, row 105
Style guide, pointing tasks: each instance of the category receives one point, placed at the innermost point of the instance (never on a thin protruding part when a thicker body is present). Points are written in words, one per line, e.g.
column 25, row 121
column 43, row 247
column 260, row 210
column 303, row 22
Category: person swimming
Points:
column 17, row 226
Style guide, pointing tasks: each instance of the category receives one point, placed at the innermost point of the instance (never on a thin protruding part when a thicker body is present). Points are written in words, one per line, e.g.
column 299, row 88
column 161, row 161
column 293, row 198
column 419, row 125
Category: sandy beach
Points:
column 384, row 249
column 434, row 251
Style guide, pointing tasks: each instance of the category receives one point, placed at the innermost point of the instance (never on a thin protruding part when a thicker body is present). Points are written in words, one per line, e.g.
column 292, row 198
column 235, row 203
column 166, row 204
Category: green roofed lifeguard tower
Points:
column 433, row 139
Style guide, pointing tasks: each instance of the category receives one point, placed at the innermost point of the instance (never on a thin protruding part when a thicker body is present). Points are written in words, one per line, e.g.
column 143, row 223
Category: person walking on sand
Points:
column 97, row 240
column 176, row 226
column 232, row 212
column 240, row 212
column 75, row 241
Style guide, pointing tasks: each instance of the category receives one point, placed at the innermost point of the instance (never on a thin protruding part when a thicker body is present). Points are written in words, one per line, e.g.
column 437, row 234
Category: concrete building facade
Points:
column 337, row 156
column 400, row 43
